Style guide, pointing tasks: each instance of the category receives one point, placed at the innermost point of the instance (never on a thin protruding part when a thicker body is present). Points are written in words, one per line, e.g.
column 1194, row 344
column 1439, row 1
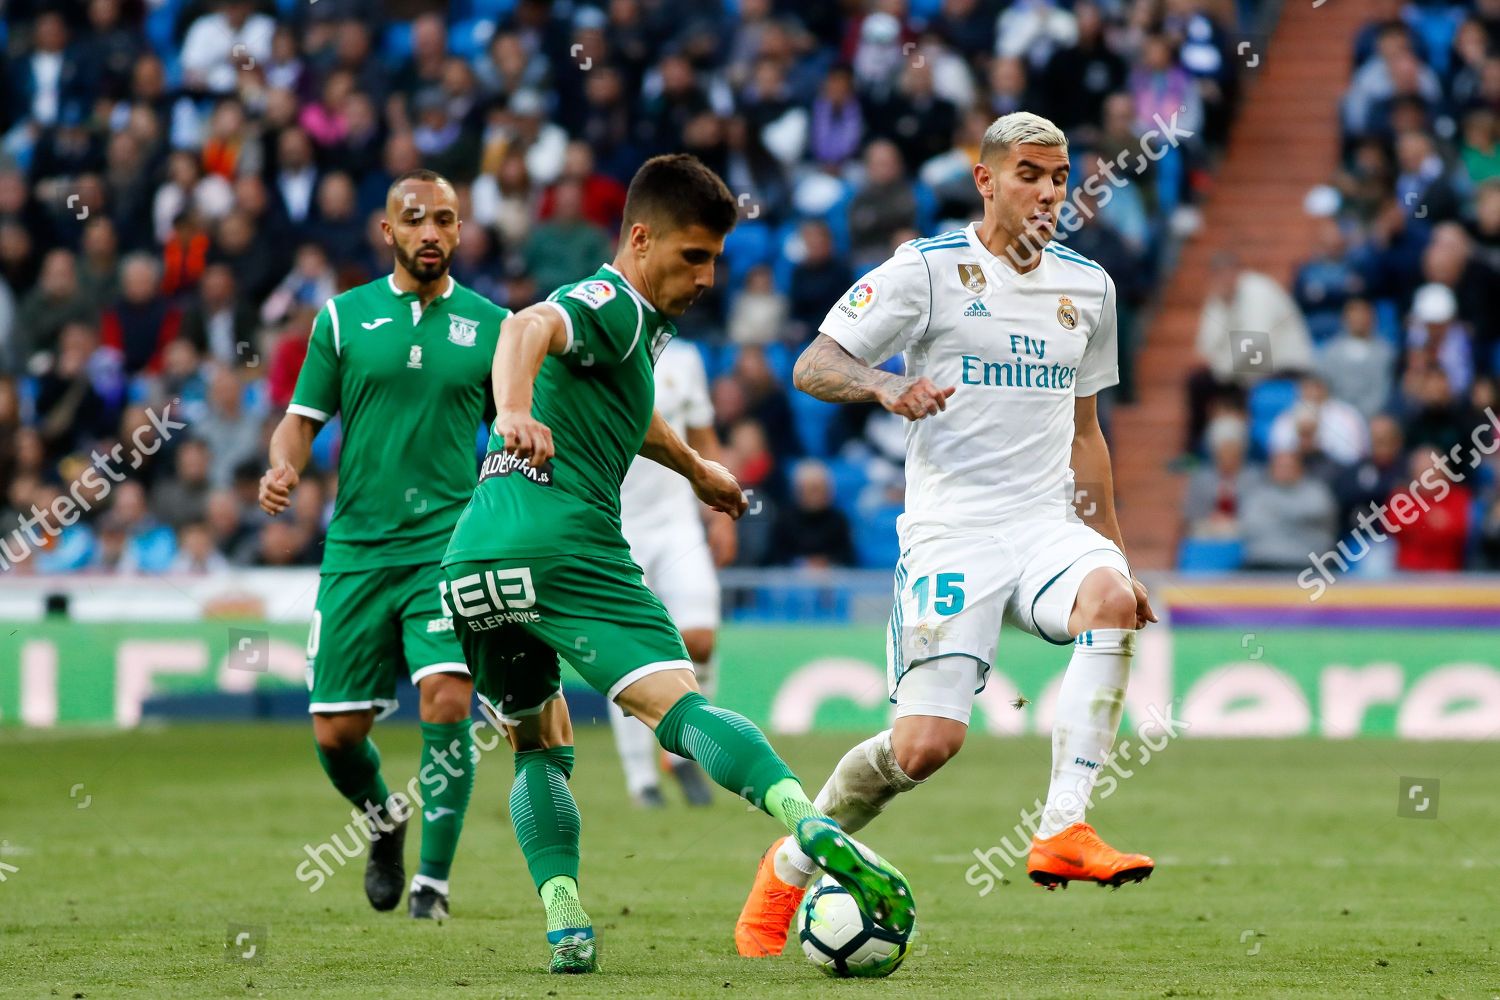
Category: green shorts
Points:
column 516, row 617
column 370, row 628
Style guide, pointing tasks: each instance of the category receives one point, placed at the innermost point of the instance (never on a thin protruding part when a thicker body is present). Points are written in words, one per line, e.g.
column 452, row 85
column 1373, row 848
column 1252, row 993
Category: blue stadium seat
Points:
column 849, row 481
column 875, row 538
column 325, row 447
column 748, row 244
column 1267, row 402
column 1437, row 25
column 782, row 358
column 159, row 23
column 1210, row 555
column 813, row 420
column 496, row 9
column 468, row 38
column 396, row 46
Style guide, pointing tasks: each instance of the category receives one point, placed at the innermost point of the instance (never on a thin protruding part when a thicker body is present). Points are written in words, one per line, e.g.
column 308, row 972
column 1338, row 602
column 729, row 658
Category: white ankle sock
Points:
column 440, row 884
column 1089, row 704
column 860, row 787
column 637, row 748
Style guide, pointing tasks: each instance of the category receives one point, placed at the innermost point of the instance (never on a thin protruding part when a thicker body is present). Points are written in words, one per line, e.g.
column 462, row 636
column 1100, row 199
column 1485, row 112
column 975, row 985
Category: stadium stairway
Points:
column 1285, row 141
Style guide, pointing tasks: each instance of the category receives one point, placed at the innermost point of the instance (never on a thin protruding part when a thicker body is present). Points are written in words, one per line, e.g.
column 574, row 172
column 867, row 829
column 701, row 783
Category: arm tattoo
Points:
column 828, row 372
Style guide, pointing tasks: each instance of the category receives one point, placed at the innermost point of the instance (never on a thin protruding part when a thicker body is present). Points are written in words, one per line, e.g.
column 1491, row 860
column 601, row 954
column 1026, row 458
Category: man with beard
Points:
column 405, row 360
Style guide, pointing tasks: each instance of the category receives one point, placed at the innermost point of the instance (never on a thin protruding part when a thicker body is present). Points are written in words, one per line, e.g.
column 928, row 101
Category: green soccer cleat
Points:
column 574, row 951
column 876, row 885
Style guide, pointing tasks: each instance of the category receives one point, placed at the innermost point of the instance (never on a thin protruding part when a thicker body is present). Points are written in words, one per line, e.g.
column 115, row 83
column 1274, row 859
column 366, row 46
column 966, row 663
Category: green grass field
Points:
column 1283, row 870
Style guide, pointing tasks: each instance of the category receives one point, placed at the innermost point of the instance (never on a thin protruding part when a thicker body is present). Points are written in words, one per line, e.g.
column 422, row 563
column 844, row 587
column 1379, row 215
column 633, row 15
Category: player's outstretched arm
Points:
column 828, row 372
column 713, row 483
column 291, row 446
column 526, row 338
column 1092, row 472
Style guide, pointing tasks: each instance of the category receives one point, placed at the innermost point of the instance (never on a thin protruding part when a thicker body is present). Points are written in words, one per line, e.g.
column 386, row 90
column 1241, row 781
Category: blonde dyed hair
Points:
column 1017, row 129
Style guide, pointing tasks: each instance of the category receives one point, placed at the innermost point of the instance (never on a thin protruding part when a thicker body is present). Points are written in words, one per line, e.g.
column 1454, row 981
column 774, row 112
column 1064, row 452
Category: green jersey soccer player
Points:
column 538, row 568
column 404, row 360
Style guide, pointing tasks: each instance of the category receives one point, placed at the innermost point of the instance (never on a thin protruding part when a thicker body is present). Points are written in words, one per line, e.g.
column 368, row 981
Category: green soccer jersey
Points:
column 410, row 385
column 597, row 398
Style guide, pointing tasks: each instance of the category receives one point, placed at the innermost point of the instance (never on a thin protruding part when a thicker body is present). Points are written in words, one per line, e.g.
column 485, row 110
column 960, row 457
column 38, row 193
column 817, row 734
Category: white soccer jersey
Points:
column 653, row 497
column 1018, row 348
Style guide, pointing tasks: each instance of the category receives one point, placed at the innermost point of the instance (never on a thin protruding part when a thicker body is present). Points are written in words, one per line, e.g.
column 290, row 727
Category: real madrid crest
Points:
column 972, row 277
column 1067, row 313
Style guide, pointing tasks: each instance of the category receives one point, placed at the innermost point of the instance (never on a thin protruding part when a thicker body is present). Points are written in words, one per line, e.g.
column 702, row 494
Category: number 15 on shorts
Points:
column 944, row 590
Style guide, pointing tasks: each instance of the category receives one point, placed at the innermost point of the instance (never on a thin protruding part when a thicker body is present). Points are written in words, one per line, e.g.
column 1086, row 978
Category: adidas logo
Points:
column 976, row 308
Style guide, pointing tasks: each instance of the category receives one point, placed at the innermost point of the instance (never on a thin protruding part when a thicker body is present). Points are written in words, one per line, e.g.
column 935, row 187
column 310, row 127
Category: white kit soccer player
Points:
column 1007, row 339
column 663, row 522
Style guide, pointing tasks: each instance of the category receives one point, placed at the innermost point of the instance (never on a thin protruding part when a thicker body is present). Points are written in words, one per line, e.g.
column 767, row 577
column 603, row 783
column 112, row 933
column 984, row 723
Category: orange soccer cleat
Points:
column 762, row 927
column 1077, row 854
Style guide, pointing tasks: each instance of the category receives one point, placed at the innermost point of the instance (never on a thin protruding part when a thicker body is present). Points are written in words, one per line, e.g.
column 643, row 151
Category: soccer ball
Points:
column 841, row 940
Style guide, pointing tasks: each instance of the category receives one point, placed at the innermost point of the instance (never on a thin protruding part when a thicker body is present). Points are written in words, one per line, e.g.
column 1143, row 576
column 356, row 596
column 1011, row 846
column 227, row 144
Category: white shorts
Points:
column 680, row 570
column 955, row 588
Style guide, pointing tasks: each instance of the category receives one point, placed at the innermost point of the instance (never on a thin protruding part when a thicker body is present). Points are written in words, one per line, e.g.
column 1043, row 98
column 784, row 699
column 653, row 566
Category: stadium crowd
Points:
column 1381, row 358
column 184, row 183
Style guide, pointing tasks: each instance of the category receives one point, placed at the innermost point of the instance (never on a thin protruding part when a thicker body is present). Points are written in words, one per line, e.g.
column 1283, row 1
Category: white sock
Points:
column 440, row 884
column 637, row 748
column 1089, row 704
column 857, row 791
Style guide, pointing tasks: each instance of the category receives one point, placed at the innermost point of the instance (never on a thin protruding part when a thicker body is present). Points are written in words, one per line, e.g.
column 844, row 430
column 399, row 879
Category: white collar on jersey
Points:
column 635, row 293
column 390, row 280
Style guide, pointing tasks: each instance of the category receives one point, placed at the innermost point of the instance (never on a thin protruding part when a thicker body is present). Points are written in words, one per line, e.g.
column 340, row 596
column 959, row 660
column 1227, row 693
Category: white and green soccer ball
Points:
column 841, row 940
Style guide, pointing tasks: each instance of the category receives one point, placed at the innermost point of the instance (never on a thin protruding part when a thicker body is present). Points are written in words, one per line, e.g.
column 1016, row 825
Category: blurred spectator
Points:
column 141, row 322
column 228, row 523
column 1434, row 514
column 187, row 187
column 818, row 279
column 1035, row 29
column 340, row 230
column 47, row 79
column 1338, row 427
column 1356, row 364
column 567, row 247
column 228, row 427
column 1324, row 283
column 1078, row 77
column 543, row 143
column 881, row 205
column 99, row 264
column 217, row 321
column 55, row 302
column 296, row 178
column 1286, row 515
column 758, row 316
column 183, row 498
column 71, row 404
column 131, row 540
column 766, row 403
column 1211, row 507
column 915, row 118
column 1249, row 329
column 221, row 45
column 603, row 197
column 838, row 123
column 1374, row 478
column 811, row 531
column 196, row 553
column 506, row 201
column 1436, row 337
column 1430, row 410
column 310, row 283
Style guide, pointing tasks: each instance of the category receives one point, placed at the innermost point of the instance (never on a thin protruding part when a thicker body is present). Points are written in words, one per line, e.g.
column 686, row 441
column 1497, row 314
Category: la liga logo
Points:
column 861, row 295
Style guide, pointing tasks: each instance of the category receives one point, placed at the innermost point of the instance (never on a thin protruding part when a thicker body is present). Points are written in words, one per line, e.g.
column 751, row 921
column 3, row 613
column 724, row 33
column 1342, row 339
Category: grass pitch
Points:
column 1283, row 870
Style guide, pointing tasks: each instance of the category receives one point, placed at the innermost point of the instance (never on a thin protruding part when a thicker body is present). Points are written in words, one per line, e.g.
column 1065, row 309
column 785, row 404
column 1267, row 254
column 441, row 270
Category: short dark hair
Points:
column 676, row 191
column 419, row 174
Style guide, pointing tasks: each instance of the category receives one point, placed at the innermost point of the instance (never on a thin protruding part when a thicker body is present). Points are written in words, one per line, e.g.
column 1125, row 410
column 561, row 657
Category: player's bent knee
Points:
column 341, row 730
column 922, row 751
column 1106, row 600
column 446, row 697
column 699, row 643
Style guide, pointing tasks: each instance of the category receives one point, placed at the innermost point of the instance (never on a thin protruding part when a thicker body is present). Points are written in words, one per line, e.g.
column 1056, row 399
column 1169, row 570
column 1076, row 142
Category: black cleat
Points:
column 385, row 869
column 426, row 903
column 694, row 784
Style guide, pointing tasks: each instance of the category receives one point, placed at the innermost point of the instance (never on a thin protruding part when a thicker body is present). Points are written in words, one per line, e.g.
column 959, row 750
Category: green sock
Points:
column 788, row 802
column 564, row 912
column 447, row 778
column 356, row 773
column 544, row 814
column 727, row 745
